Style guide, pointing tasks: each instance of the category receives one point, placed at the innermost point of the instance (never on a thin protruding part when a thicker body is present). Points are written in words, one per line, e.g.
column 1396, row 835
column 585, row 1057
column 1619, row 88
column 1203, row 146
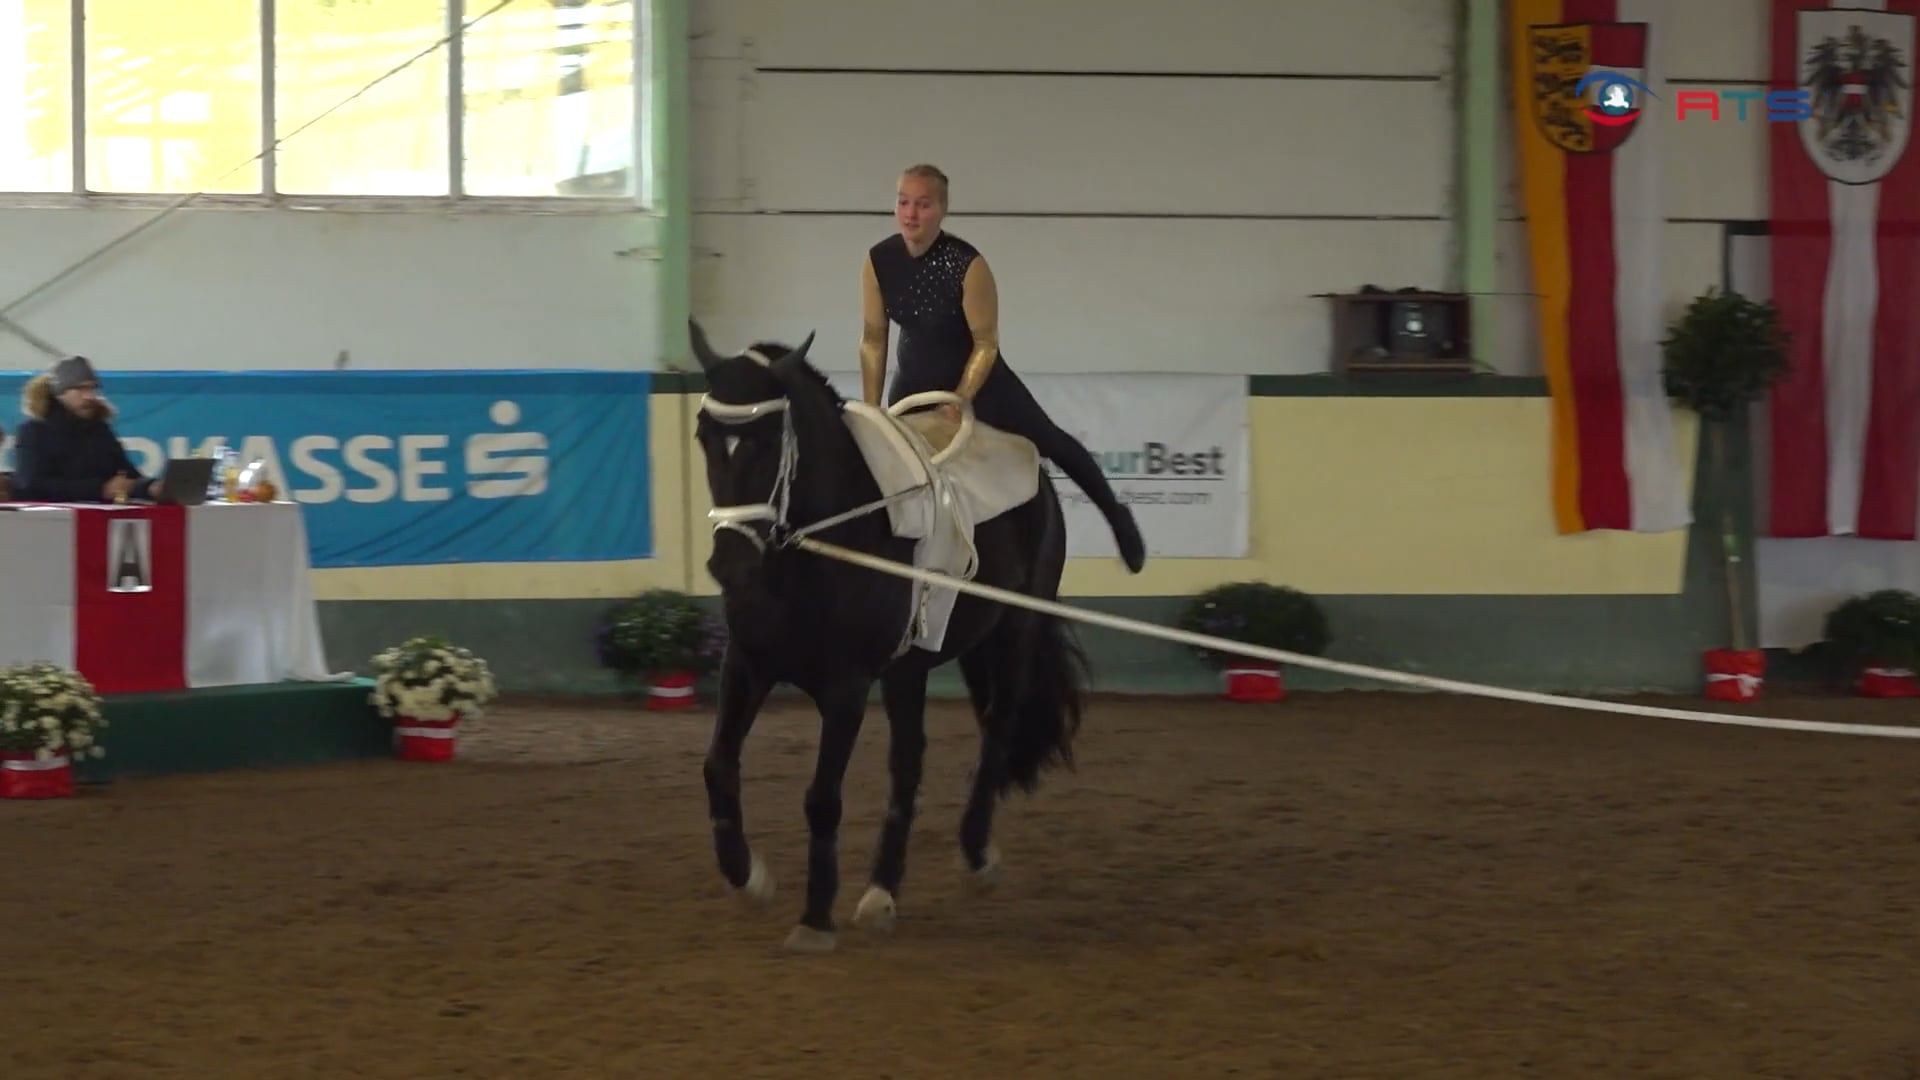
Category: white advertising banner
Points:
column 1173, row 446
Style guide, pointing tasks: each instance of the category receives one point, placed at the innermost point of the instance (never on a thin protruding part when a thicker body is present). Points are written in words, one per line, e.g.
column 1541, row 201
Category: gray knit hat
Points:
column 71, row 372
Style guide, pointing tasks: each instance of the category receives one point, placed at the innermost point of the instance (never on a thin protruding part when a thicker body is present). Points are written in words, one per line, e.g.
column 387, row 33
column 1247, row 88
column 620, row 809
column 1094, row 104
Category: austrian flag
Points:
column 1844, row 425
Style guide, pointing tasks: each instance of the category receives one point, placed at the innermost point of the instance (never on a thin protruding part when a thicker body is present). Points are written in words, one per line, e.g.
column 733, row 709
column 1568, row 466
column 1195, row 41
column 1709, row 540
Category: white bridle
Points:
column 781, row 532
column 774, row 511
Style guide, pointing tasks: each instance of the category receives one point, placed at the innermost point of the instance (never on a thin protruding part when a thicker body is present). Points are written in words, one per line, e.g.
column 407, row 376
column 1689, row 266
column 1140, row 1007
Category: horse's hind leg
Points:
column 989, row 674
column 904, row 691
column 740, row 699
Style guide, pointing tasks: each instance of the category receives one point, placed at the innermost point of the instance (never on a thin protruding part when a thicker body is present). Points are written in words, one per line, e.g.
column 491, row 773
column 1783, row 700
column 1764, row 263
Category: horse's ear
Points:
column 799, row 355
column 793, row 364
column 702, row 349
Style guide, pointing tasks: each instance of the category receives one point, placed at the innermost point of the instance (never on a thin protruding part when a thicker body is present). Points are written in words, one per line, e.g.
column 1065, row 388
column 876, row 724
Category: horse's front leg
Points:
column 842, row 709
column 904, row 691
column 741, row 696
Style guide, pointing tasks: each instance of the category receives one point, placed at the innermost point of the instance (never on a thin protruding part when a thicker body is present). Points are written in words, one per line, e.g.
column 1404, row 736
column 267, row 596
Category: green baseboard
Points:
column 237, row 727
column 1575, row 644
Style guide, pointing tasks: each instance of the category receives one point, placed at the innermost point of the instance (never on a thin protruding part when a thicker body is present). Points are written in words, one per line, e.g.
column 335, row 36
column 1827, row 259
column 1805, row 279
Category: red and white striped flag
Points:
column 1591, row 175
column 1844, row 445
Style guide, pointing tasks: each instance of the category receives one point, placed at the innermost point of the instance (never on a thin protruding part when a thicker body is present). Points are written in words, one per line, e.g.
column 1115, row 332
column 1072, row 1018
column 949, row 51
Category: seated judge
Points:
column 66, row 450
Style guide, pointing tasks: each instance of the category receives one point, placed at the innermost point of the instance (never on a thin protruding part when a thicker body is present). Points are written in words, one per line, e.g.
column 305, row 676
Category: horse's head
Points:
column 763, row 408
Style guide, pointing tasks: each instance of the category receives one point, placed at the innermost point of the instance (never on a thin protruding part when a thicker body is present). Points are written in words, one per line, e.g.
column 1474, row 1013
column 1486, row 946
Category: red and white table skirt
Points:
column 150, row 598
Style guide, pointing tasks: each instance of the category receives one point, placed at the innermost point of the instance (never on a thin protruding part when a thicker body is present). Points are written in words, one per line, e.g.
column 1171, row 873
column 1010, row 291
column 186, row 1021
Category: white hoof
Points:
column 759, row 887
column 876, row 910
column 805, row 939
column 987, row 877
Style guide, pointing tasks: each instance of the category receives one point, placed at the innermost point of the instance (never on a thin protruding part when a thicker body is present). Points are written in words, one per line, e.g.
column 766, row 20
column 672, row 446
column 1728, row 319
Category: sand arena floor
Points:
column 1353, row 886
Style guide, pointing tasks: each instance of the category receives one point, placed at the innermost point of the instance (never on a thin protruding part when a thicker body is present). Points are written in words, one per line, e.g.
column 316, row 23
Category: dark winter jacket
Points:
column 60, row 457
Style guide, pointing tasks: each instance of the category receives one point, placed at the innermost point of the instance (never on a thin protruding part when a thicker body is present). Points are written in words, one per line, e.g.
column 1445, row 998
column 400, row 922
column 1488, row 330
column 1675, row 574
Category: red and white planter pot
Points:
column 425, row 740
column 1253, row 681
column 669, row 690
column 1735, row 674
column 1888, row 682
column 24, row 776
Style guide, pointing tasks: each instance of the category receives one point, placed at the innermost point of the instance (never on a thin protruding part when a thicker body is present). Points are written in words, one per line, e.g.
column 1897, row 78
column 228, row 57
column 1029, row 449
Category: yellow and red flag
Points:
column 1586, row 135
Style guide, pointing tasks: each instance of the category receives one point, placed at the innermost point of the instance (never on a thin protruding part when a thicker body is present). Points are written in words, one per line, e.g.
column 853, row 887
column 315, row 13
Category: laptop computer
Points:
column 184, row 482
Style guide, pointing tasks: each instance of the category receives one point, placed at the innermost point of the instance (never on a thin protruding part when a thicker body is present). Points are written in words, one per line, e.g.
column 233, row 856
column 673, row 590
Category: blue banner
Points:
column 407, row 468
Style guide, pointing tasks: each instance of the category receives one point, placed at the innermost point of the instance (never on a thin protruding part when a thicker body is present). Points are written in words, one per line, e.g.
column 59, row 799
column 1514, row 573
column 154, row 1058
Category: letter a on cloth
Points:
column 1843, row 440
column 1590, row 173
column 130, row 598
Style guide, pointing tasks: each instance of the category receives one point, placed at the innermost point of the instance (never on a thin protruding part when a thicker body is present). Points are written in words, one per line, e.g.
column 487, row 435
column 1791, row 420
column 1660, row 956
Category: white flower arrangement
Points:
column 426, row 678
column 49, row 712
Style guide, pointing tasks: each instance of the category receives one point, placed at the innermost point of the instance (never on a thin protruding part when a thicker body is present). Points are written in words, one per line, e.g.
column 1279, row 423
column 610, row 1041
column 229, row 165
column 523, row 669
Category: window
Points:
column 36, row 95
column 549, row 100
column 173, row 96
column 392, row 139
column 535, row 99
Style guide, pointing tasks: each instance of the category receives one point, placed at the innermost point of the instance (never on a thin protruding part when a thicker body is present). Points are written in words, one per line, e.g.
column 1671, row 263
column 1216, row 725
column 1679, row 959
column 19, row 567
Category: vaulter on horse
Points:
column 941, row 292
column 789, row 461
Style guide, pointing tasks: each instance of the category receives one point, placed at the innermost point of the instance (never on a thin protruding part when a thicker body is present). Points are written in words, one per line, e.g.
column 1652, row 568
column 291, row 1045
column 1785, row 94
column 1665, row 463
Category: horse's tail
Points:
column 1047, row 717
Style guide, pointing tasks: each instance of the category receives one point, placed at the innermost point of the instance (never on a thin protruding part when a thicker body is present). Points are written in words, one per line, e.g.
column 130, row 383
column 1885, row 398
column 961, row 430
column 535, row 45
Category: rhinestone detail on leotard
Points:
column 926, row 294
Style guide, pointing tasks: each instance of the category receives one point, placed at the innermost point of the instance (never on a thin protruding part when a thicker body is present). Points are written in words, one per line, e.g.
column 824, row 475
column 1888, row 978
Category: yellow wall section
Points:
column 1383, row 496
column 1411, row 496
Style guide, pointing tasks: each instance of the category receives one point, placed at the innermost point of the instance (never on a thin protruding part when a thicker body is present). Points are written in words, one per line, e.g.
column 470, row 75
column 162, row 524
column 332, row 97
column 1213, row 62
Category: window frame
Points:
column 457, row 199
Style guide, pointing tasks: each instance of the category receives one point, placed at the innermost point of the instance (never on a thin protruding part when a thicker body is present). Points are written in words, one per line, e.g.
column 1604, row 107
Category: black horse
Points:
column 780, row 459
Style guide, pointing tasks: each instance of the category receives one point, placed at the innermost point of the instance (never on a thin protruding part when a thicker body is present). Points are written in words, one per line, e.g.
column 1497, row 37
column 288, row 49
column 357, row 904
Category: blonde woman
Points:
column 940, row 291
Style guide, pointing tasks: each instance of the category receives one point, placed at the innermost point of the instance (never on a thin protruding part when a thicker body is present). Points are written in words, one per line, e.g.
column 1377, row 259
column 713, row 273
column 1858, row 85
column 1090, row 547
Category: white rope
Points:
column 1116, row 622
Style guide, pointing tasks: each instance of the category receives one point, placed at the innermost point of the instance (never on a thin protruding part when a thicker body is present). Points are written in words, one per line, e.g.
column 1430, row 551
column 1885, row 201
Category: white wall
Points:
column 1145, row 223
column 284, row 289
column 1168, row 197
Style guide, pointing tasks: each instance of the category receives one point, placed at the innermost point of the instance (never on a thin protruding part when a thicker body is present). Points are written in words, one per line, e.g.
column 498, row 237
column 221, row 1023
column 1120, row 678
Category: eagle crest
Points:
column 1857, row 83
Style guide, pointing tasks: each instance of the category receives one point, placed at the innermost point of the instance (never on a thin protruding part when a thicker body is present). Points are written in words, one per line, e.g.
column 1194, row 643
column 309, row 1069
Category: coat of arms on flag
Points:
column 1854, row 66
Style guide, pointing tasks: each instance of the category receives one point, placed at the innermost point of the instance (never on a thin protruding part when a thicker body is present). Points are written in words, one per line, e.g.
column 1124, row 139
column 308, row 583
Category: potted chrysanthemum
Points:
column 49, row 718
column 427, row 685
column 664, row 638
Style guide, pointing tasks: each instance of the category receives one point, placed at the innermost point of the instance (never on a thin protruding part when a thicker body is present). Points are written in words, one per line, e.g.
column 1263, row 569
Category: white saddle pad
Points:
column 994, row 472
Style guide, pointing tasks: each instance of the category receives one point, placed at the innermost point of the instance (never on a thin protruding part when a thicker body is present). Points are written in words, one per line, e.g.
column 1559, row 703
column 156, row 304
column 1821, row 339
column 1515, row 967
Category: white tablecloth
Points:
column 250, row 613
column 36, row 586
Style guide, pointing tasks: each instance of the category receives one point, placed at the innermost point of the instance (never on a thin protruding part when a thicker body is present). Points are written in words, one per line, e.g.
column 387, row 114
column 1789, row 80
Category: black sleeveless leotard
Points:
column 924, row 296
